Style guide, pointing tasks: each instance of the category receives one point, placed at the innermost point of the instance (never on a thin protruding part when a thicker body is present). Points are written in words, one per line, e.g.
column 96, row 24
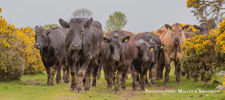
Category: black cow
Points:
column 159, row 60
column 141, row 62
column 118, row 53
column 82, row 47
column 51, row 44
column 203, row 28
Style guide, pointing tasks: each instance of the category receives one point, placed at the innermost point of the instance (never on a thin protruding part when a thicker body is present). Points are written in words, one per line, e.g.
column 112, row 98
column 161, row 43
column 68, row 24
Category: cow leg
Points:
column 64, row 73
column 58, row 76
column 95, row 75
column 153, row 73
column 142, row 80
column 146, row 79
column 196, row 78
column 99, row 72
column 88, row 79
column 150, row 74
column 109, row 79
column 161, row 64
column 124, row 77
column 52, row 74
column 81, row 75
column 118, row 79
column 168, row 68
column 72, row 73
column 67, row 74
column 188, row 76
column 178, row 70
column 135, row 76
column 48, row 73
column 202, row 77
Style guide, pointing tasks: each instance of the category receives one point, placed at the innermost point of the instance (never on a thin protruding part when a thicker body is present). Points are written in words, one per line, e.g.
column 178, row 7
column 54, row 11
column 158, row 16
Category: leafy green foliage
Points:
column 116, row 21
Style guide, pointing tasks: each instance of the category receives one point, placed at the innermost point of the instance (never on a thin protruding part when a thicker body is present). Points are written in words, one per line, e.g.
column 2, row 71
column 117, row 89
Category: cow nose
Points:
column 176, row 39
column 37, row 45
column 76, row 47
column 116, row 58
column 145, row 58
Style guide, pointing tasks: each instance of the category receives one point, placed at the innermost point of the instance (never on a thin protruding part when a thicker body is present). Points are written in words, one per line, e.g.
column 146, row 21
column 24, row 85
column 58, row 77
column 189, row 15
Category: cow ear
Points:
column 168, row 26
column 63, row 23
column 88, row 23
column 196, row 27
column 50, row 27
column 185, row 27
column 161, row 46
column 126, row 39
column 47, row 32
column 36, row 27
column 106, row 40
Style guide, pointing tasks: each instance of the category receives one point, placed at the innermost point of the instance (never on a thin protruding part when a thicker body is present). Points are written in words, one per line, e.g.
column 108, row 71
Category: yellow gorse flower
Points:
column 21, row 40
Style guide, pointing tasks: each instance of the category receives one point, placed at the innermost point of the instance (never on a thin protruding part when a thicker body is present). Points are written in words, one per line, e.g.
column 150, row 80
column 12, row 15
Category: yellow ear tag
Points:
column 168, row 28
column 126, row 40
column 161, row 47
column 105, row 40
column 151, row 49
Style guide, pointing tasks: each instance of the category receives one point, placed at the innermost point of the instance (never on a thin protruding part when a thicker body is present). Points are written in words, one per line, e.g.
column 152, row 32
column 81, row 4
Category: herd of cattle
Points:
column 81, row 50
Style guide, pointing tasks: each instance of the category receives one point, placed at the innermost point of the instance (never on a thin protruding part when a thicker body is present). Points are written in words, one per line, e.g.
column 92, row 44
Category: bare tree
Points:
column 82, row 13
column 208, row 11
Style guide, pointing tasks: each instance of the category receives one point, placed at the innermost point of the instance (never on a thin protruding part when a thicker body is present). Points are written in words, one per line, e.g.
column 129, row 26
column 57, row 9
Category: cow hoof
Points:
column 188, row 78
column 123, row 87
column 93, row 84
column 166, row 82
column 116, row 92
column 109, row 87
column 50, row 84
column 86, row 89
column 58, row 81
column 178, row 82
column 78, row 90
column 71, row 89
column 67, row 81
column 134, row 88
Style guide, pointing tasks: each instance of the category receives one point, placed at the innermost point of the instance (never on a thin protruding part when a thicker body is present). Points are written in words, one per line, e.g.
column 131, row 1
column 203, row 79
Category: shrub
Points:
column 17, row 52
column 199, row 56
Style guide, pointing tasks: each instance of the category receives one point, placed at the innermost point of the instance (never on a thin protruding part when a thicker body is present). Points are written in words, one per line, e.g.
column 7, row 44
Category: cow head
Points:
column 41, row 37
column 143, row 48
column 202, row 27
column 78, row 27
column 176, row 32
column 116, row 45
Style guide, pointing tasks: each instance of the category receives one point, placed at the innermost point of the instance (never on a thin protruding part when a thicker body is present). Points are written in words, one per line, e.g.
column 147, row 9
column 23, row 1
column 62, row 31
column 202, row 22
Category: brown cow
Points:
column 173, row 37
column 118, row 52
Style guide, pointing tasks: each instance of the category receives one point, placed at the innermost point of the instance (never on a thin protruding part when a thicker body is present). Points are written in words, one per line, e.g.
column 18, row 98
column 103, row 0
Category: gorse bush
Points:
column 17, row 52
column 220, row 44
column 204, row 53
column 199, row 55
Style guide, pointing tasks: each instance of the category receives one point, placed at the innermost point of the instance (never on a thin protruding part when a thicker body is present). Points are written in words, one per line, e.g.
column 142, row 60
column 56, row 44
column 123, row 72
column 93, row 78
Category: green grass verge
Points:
column 33, row 87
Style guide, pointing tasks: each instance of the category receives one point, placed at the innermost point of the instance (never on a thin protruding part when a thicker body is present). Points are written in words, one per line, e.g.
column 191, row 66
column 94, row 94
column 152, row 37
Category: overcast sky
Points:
column 142, row 15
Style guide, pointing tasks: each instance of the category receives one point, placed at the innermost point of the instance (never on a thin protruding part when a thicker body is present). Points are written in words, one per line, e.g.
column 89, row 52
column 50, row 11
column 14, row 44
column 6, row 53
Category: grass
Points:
column 33, row 87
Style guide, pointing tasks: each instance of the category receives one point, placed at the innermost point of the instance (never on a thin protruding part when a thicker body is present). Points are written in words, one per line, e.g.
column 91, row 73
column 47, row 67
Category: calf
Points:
column 118, row 52
column 158, row 53
column 141, row 62
column 173, row 37
column 51, row 44
column 82, row 46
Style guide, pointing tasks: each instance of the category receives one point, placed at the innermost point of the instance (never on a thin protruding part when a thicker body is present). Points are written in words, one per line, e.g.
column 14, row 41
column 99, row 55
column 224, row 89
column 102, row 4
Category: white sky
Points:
column 142, row 15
